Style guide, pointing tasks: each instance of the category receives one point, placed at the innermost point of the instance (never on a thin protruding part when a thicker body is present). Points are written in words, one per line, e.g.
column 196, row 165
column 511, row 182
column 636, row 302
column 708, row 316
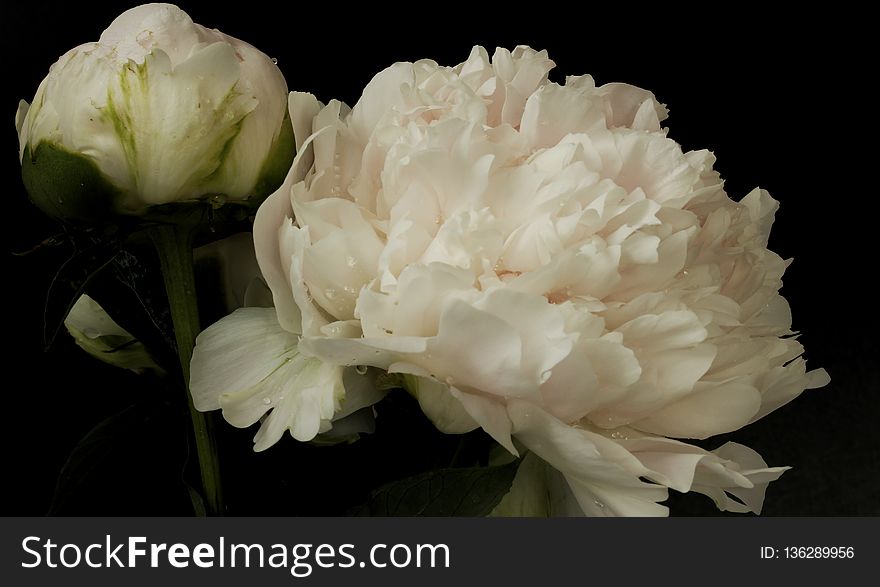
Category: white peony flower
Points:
column 539, row 260
column 159, row 110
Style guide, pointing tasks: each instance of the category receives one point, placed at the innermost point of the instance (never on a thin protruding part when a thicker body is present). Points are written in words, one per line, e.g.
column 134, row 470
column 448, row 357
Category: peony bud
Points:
column 159, row 110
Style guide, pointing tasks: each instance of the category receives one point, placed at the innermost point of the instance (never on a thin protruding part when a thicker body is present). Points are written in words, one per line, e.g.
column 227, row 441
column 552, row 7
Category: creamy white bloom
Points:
column 541, row 261
column 163, row 109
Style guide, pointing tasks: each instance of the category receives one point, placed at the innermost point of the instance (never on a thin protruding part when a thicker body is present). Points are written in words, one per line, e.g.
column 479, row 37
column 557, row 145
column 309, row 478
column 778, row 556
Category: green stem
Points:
column 174, row 242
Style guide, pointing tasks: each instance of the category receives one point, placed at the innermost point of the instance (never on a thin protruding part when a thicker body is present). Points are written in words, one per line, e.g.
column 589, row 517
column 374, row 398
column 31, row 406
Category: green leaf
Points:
column 469, row 492
column 132, row 461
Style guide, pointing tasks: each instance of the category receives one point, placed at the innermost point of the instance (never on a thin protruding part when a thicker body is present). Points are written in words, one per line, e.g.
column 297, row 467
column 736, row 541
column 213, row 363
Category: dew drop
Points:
column 275, row 60
column 361, row 369
column 267, row 401
column 599, row 504
column 450, row 381
column 351, row 261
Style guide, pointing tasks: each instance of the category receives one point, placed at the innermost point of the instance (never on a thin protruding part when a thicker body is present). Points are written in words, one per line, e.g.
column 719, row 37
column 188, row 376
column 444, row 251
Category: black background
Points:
column 783, row 101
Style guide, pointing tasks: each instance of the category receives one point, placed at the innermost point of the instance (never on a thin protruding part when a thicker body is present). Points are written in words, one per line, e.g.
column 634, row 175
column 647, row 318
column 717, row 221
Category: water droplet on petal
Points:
column 275, row 60
column 599, row 504
column 361, row 369
column 267, row 401
column 351, row 261
column 450, row 381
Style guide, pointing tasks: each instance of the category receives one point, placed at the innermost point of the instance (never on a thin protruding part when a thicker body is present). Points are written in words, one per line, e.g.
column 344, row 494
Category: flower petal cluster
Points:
column 538, row 260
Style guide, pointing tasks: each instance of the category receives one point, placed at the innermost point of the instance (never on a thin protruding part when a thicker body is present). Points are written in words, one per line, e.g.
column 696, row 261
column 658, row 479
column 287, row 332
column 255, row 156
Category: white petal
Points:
column 750, row 465
column 496, row 368
column 631, row 107
column 603, row 476
column 303, row 108
column 381, row 95
column 782, row 384
column 715, row 409
column 88, row 317
column 20, row 115
column 540, row 325
column 732, row 469
column 271, row 225
column 572, row 389
column 556, row 111
column 490, row 414
column 360, row 392
column 440, row 405
column 237, row 353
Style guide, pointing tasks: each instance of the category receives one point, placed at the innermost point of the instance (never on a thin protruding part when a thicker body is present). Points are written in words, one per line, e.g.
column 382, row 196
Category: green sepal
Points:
column 68, row 186
column 277, row 163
